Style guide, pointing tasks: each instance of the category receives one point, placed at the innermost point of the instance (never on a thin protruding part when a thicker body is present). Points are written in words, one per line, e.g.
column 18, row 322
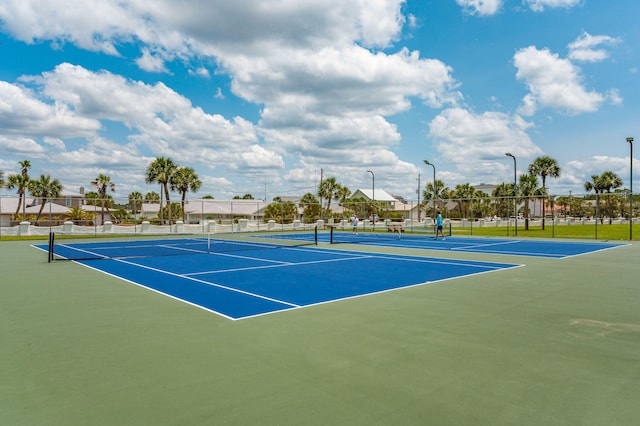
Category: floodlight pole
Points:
column 434, row 185
column 515, row 190
column 630, row 140
column 373, row 195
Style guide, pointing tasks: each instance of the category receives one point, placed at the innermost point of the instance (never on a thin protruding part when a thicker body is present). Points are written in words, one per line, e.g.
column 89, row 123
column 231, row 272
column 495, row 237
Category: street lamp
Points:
column 515, row 190
column 630, row 140
column 434, row 185
column 373, row 194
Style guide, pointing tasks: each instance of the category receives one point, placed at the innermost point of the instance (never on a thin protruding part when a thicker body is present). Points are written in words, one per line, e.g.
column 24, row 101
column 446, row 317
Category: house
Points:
column 8, row 207
column 70, row 198
column 379, row 196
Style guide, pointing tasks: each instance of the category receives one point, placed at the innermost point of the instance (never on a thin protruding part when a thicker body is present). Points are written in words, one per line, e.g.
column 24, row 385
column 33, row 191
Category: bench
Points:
column 395, row 227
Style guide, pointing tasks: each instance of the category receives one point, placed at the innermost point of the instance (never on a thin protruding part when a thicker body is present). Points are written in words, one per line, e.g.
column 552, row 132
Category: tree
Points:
column 151, row 197
column 78, row 214
column 160, row 171
column 463, row 194
column 185, row 179
column 502, row 194
column 328, row 189
column 103, row 184
column 310, row 205
column 607, row 181
column 284, row 211
column 45, row 188
column 135, row 201
column 527, row 188
column 21, row 182
column 244, row 197
column 1, row 179
column 433, row 193
column 543, row 167
column 595, row 186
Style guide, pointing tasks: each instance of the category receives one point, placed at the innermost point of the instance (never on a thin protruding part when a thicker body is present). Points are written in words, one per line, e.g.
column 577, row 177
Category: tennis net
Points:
column 173, row 245
column 339, row 235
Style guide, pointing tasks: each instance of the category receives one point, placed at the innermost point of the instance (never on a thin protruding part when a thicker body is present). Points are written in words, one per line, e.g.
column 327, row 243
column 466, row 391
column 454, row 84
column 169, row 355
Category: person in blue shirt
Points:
column 439, row 225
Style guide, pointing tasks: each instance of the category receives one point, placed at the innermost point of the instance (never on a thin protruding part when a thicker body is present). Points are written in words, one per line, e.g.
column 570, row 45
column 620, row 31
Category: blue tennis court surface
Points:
column 514, row 247
column 261, row 280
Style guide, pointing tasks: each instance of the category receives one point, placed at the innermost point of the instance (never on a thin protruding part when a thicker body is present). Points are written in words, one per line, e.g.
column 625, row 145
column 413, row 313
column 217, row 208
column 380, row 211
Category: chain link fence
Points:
column 599, row 216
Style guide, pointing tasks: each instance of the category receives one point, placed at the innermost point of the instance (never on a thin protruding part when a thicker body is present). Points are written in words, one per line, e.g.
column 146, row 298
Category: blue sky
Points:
column 259, row 97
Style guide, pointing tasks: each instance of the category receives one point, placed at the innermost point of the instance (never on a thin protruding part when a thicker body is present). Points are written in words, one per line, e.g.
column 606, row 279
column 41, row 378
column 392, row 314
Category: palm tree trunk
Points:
column 184, row 195
column 166, row 193
column 40, row 211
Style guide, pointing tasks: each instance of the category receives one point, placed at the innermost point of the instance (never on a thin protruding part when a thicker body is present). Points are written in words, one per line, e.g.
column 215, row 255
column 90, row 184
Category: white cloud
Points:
column 22, row 146
column 585, row 48
column 553, row 82
column 164, row 121
column 480, row 7
column 577, row 172
column 151, row 62
column 22, row 113
column 539, row 5
column 259, row 157
column 477, row 143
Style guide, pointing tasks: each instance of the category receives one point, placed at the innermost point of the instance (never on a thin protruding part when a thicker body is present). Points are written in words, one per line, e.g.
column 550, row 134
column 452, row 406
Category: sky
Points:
column 265, row 98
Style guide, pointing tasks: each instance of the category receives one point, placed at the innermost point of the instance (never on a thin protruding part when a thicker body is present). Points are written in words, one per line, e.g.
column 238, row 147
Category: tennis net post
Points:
column 50, row 248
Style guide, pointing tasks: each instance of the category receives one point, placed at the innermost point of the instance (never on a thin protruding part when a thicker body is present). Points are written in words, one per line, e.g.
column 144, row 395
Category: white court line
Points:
column 474, row 264
column 84, row 251
column 207, row 283
column 485, row 245
column 161, row 292
column 280, row 265
column 378, row 292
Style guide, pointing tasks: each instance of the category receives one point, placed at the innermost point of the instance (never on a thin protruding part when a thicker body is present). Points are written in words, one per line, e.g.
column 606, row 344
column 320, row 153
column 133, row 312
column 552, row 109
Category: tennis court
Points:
column 514, row 247
column 497, row 339
column 240, row 279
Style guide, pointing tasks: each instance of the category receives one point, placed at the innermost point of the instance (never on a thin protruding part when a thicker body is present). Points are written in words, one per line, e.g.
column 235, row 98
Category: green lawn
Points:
column 555, row 342
column 604, row 231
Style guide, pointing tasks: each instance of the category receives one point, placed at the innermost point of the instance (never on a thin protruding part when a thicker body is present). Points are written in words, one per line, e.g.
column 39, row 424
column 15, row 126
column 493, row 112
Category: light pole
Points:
column 515, row 189
column 630, row 140
column 434, row 185
column 373, row 194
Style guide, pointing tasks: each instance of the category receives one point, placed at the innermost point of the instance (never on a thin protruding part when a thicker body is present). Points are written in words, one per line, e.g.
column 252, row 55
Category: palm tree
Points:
column 1, row 179
column 342, row 193
column 464, row 193
column 185, row 179
column 45, row 188
column 543, row 167
column 432, row 194
column 135, row 201
column 21, row 182
column 328, row 189
column 608, row 181
column 527, row 187
column 160, row 171
column 595, row 185
column 102, row 184
column 502, row 193
column 77, row 214
column 152, row 197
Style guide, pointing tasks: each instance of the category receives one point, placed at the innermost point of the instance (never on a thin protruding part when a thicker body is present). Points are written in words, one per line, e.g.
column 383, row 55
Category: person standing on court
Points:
column 439, row 225
column 354, row 222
